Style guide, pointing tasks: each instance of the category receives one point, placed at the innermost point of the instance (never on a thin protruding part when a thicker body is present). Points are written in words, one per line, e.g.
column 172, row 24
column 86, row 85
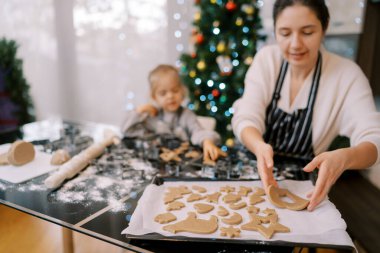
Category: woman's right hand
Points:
column 147, row 108
column 264, row 156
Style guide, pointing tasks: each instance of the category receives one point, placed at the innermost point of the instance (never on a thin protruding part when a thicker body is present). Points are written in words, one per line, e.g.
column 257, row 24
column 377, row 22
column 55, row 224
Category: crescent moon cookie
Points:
column 203, row 208
column 235, row 219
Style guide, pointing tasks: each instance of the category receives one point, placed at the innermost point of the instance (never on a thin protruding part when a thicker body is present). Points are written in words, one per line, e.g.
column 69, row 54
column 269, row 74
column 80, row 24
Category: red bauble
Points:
column 193, row 55
column 200, row 38
column 197, row 1
column 215, row 93
column 231, row 6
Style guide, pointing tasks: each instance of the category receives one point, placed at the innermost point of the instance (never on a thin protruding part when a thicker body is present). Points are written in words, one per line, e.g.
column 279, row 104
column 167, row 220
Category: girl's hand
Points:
column 331, row 165
column 264, row 156
column 147, row 108
column 210, row 151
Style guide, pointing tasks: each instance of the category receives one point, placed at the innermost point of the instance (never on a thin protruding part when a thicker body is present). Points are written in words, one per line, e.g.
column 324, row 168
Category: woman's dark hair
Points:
column 318, row 6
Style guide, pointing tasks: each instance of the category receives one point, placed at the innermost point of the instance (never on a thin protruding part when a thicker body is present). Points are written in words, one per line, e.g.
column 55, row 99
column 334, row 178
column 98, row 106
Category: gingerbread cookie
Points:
column 183, row 190
column 192, row 154
column 165, row 218
column 194, row 225
column 237, row 206
column 254, row 199
column 275, row 195
column 258, row 191
column 223, row 211
column 213, row 198
column 267, row 232
column 194, row 197
column 230, row 232
column 227, row 189
column 243, row 191
column 203, row 208
column 199, row 188
column 253, row 209
column 235, row 219
column 231, row 198
column 176, row 205
column 171, row 196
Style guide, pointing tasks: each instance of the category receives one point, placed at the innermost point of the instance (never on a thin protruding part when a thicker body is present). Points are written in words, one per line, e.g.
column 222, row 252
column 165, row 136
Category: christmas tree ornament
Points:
column 230, row 142
column 231, row 5
column 201, row 65
column 239, row 21
column 197, row 16
column 221, row 47
column 224, row 64
column 213, row 1
column 199, row 38
column 193, row 55
column 197, row 2
column 216, row 23
column 248, row 9
column 197, row 92
column 192, row 73
column 215, row 93
column 248, row 60
column 208, row 106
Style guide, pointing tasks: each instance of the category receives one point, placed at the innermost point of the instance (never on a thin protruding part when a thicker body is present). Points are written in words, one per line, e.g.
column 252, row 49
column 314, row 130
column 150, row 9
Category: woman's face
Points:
column 299, row 34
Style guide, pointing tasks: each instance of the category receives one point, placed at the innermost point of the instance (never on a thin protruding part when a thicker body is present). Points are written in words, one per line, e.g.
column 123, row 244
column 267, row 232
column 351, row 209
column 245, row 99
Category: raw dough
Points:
column 256, row 224
column 231, row 198
column 275, row 195
column 230, row 232
column 227, row 189
column 194, row 197
column 171, row 196
column 243, row 191
column 20, row 153
column 223, row 211
column 165, row 218
column 176, row 205
column 237, row 206
column 253, row 209
column 235, row 219
column 60, row 157
column 192, row 154
column 254, row 199
column 193, row 225
column 213, row 198
column 203, row 208
column 183, row 190
column 199, row 189
column 258, row 191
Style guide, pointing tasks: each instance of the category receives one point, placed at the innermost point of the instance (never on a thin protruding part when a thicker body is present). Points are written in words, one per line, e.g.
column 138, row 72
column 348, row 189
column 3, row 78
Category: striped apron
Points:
column 290, row 134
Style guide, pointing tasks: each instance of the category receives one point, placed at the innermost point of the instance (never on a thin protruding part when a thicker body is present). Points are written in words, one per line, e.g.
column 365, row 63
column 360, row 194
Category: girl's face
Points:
column 168, row 93
column 299, row 34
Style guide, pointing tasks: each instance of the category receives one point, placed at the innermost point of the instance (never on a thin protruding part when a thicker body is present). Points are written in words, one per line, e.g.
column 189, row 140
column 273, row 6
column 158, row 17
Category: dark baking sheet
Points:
column 160, row 243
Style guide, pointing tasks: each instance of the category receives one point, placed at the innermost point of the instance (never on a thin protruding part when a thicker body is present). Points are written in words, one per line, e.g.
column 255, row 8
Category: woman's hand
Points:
column 211, row 151
column 331, row 165
column 147, row 108
column 264, row 156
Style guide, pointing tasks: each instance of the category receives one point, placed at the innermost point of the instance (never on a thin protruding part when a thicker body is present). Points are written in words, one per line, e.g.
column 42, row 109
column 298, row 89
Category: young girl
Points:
column 168, row 116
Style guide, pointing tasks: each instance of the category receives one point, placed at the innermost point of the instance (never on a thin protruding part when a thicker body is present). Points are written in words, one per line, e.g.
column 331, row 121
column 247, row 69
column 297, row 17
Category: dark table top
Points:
column 100, row 201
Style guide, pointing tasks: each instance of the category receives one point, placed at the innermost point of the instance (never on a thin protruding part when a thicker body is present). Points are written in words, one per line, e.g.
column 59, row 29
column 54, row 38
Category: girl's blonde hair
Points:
column 158, row 72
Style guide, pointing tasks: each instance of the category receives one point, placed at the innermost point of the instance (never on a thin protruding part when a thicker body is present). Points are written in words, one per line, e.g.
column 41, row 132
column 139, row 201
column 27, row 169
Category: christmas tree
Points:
column 224, row 42
column 16, row 107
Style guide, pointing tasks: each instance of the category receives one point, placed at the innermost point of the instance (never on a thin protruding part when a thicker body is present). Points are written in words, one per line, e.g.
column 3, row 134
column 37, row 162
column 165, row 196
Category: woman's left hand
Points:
column 331, row 165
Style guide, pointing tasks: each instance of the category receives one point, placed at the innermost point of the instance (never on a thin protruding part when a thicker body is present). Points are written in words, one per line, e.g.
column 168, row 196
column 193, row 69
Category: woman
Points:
column 298, row 97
